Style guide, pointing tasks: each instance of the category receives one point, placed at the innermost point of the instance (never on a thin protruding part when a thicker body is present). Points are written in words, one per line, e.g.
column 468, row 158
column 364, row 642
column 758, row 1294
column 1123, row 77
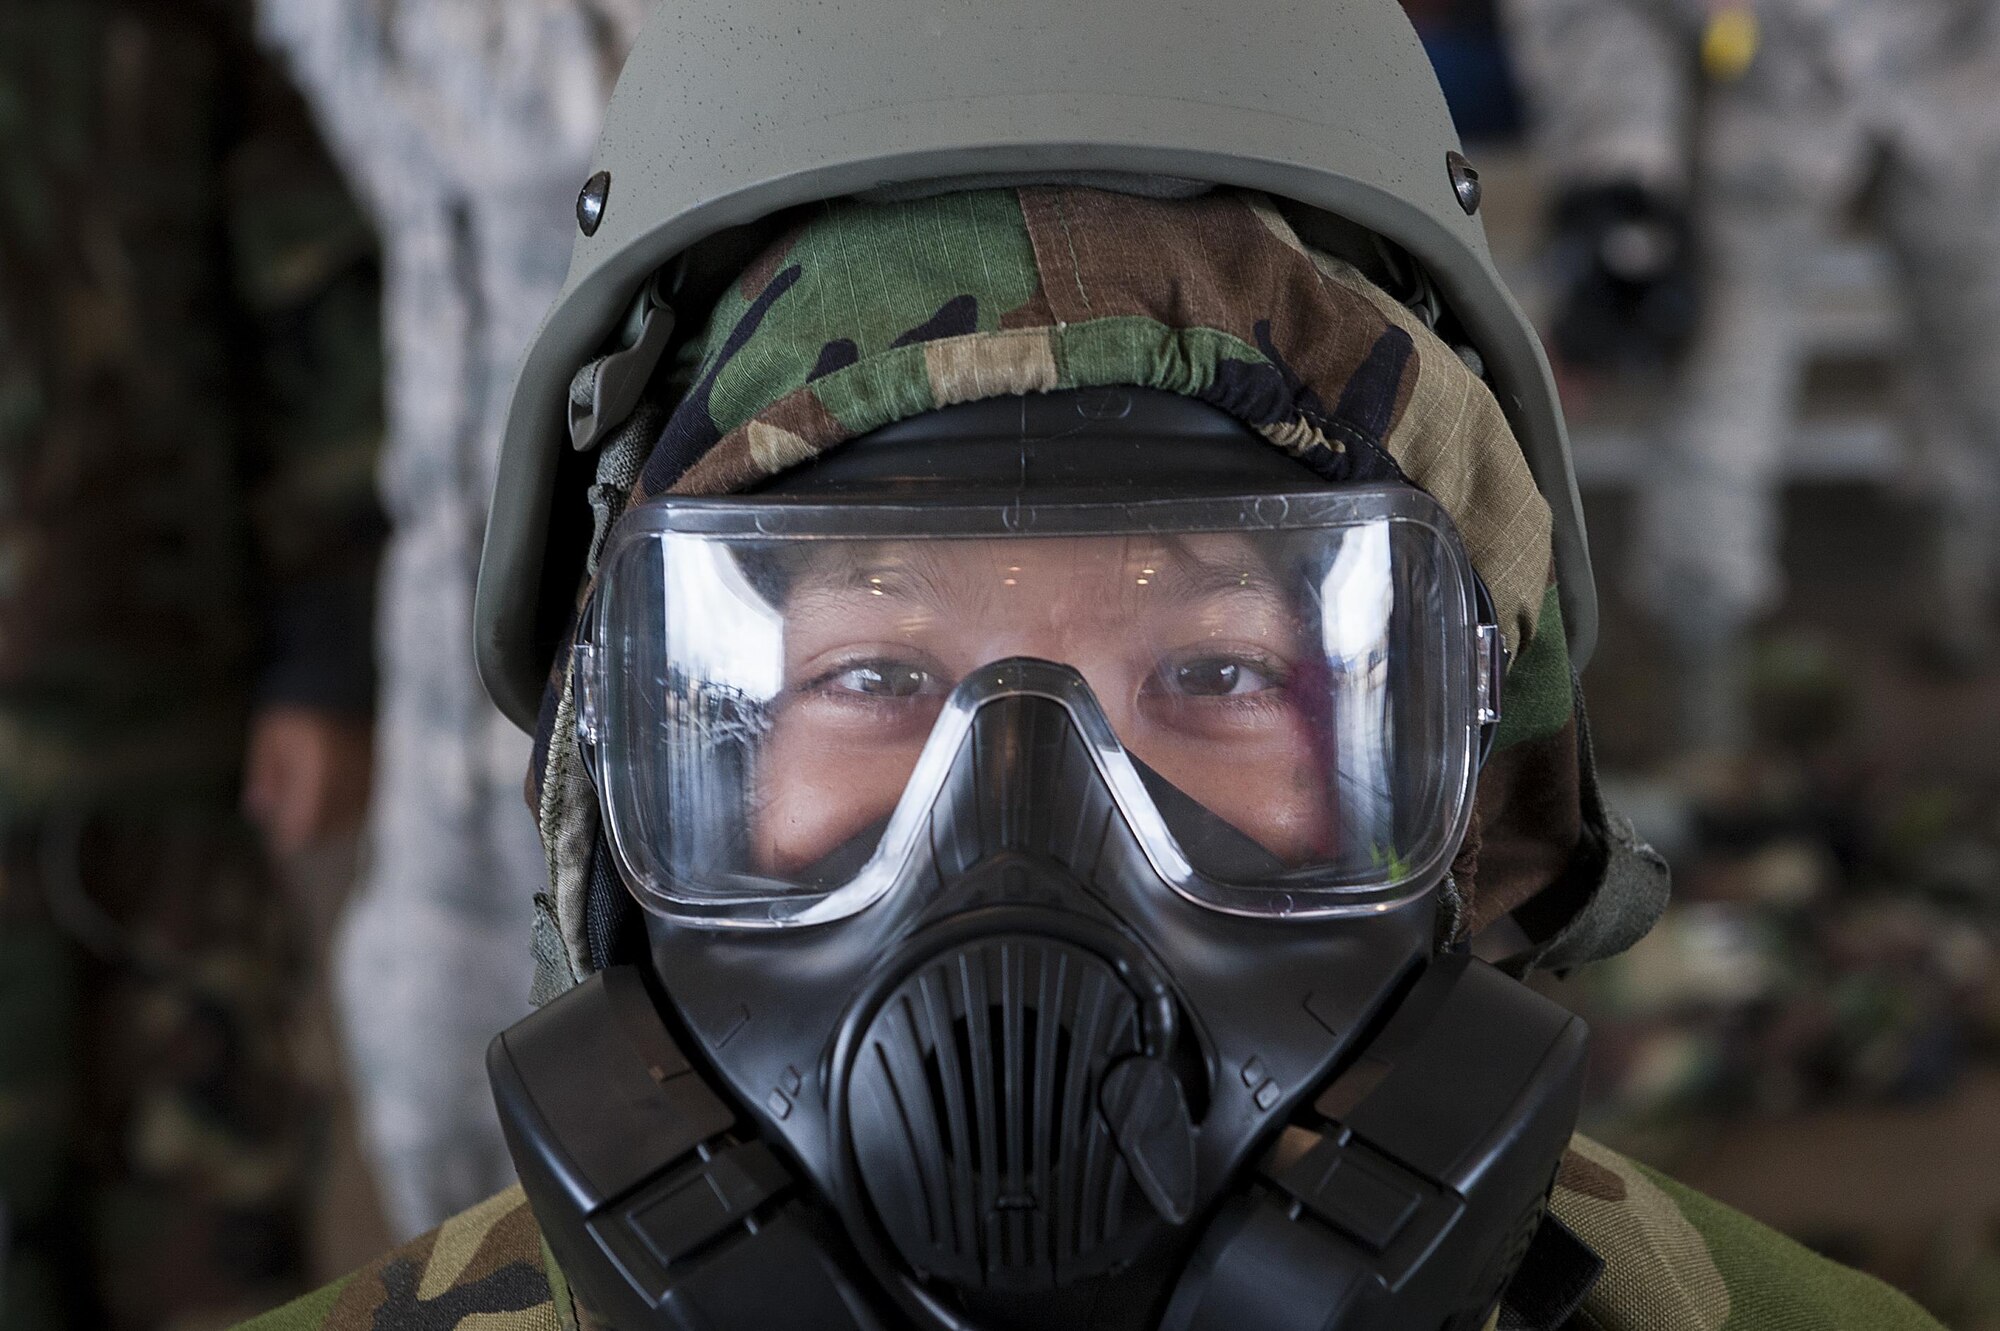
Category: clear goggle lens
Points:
column 762, row 682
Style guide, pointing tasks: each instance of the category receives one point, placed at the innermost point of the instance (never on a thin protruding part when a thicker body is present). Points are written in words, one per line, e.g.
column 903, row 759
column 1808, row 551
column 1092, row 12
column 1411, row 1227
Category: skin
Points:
column 1191, row 650
column 305, row 777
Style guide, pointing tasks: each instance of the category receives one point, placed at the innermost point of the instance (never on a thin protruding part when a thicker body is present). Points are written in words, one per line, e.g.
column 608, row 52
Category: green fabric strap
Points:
column 1537, row 699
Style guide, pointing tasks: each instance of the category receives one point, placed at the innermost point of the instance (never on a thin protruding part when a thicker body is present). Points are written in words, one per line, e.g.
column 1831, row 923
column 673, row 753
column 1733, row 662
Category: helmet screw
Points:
column 590, row 203
column 1464, row 181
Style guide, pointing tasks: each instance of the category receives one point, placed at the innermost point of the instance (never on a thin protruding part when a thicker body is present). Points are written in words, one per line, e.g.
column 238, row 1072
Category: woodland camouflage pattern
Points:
column 1213, row 297
column 190, row 401
column 1675, row 1261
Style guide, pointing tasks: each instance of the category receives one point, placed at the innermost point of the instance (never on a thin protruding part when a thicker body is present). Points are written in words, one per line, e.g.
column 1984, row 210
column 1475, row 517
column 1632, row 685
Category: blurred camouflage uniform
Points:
column 190, row 410
column 1840, row 95
column 468, row 124
column 1834, row 941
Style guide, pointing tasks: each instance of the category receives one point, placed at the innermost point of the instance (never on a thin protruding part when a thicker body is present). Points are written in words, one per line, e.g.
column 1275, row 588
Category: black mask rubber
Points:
column 1031, row 1061
column 1033, row 1085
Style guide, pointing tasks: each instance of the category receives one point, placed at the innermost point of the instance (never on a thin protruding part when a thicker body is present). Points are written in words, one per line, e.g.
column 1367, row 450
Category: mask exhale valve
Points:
column 1009, row 1126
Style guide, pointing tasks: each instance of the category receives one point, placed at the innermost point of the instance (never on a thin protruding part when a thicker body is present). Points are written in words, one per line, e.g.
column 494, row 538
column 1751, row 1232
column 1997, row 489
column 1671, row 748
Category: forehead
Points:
column 1200, row 557
column 1077, row 580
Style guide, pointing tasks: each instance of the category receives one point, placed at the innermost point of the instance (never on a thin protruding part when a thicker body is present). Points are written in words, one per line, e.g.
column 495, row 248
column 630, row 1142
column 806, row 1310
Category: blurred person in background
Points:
column 1832, row 958
column 467, row 125
column 1702, row 151
column 189, row 419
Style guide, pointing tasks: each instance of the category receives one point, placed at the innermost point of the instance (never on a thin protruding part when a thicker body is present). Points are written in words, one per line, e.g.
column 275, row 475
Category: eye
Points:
column 884, row 679
column 1216, row 677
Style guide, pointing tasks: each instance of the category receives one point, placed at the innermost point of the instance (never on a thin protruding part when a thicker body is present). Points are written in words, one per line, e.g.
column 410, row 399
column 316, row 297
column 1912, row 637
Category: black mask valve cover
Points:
column 1014, row 1121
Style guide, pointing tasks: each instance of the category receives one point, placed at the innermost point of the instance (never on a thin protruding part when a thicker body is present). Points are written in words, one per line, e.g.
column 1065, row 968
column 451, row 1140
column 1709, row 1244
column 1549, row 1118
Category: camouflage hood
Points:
column 862, row 314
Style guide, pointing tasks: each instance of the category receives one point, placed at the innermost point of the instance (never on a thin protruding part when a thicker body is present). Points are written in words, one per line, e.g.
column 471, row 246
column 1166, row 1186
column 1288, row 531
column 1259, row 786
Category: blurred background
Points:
column 1762, row 244
column 265, row 269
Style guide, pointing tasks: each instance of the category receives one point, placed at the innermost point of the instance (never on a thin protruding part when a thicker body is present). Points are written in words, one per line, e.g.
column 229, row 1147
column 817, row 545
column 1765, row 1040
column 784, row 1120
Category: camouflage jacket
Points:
column 1674, row 1261
column 190, row 402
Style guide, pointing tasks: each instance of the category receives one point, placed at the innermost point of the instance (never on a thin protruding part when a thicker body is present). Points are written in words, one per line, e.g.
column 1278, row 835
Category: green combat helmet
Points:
column 1330, row 108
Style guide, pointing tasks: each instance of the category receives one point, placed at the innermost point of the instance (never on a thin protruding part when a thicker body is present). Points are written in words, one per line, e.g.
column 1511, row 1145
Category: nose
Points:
column 1022, row 747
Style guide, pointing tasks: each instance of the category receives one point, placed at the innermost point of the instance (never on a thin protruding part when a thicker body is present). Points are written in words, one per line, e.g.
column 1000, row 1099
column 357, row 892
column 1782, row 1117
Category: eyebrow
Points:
column 1188, row 576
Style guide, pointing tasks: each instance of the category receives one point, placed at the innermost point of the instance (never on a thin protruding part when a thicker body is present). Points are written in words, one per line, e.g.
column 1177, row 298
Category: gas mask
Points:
column 1039, row 809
